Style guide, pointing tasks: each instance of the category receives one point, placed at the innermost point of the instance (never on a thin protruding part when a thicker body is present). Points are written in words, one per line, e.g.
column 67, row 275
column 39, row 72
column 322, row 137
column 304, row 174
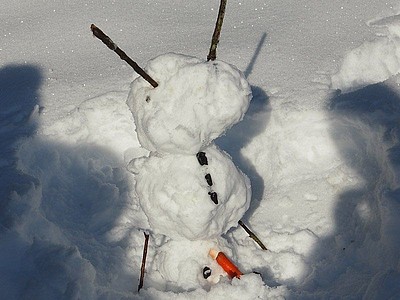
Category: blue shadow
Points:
column 19, row 86
column 359, row 260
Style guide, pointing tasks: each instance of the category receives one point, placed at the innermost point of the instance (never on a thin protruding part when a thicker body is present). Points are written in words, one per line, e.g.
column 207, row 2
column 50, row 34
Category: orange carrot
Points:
column 225, row 263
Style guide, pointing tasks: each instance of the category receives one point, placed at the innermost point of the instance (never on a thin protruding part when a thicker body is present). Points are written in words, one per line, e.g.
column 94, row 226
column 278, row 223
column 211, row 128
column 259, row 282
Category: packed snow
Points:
column 319, row 143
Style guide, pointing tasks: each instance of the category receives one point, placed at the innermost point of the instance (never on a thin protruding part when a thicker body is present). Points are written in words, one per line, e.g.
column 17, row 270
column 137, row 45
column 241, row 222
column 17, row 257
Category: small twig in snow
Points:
column 252, row 235
column 142, row 269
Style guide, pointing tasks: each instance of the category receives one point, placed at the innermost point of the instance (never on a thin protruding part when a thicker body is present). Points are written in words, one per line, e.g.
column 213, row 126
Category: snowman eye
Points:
column 147, row 99
column 206, row 272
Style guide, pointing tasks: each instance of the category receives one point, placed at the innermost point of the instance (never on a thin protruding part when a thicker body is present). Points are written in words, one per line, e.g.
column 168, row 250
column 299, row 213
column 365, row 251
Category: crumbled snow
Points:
column 250, row 286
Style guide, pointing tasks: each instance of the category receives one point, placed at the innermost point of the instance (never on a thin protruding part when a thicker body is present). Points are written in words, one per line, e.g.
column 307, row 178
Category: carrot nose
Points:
column 228, row 266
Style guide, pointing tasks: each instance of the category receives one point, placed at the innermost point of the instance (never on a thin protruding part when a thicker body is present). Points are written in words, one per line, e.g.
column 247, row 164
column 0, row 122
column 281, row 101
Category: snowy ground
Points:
column 320, row 143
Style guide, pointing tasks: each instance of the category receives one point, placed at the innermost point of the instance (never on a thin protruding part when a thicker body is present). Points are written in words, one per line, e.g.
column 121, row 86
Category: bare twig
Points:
column 212, row 55
column 110, row 44
column 252, row 235
column 142, row 269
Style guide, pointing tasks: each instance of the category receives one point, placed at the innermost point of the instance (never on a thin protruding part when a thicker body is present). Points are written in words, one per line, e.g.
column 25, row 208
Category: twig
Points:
column 110, row 44
column 142, row 269
column 212, row 55
column 252, row 235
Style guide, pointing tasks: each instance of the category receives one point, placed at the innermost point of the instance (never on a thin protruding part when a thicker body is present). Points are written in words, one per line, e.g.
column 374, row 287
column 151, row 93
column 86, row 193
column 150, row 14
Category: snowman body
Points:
column 189, row 189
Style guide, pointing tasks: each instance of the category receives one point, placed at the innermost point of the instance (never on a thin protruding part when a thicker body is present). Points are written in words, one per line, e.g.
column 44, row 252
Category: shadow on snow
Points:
column 55, row 214
column 361, row 258
column 240, row 135
column 18, row 97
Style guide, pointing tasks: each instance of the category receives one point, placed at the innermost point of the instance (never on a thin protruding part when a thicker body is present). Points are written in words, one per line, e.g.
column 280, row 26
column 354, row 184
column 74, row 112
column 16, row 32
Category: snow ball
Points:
column 174, row 194
column 181, row 263
column 194, row 103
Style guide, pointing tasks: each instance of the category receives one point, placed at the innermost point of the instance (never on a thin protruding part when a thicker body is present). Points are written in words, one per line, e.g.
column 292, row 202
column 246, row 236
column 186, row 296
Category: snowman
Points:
column 189, row 189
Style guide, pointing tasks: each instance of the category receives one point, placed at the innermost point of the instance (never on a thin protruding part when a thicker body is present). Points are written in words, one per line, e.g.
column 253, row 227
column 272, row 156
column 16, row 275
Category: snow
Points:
column 373, row 61
column 319, row 143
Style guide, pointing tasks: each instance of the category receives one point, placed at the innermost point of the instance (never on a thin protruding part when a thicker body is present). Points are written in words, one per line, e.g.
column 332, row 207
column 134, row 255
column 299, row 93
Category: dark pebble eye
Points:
column 148, row 99
column 206, row 272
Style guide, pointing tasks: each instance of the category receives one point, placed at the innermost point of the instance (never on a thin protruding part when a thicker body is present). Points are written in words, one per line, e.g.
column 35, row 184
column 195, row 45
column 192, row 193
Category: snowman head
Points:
column 194, row 103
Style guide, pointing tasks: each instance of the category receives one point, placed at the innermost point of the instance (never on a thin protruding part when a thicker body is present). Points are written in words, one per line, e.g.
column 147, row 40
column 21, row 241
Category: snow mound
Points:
column 195, row 103
column 374, row 61
column 180, row 263
column 97, row 121
column 175, row 196
column 249, row 286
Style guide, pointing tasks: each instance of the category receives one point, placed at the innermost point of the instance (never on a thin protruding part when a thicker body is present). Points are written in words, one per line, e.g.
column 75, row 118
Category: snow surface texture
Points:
column 195, row 103
column 324, row 165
